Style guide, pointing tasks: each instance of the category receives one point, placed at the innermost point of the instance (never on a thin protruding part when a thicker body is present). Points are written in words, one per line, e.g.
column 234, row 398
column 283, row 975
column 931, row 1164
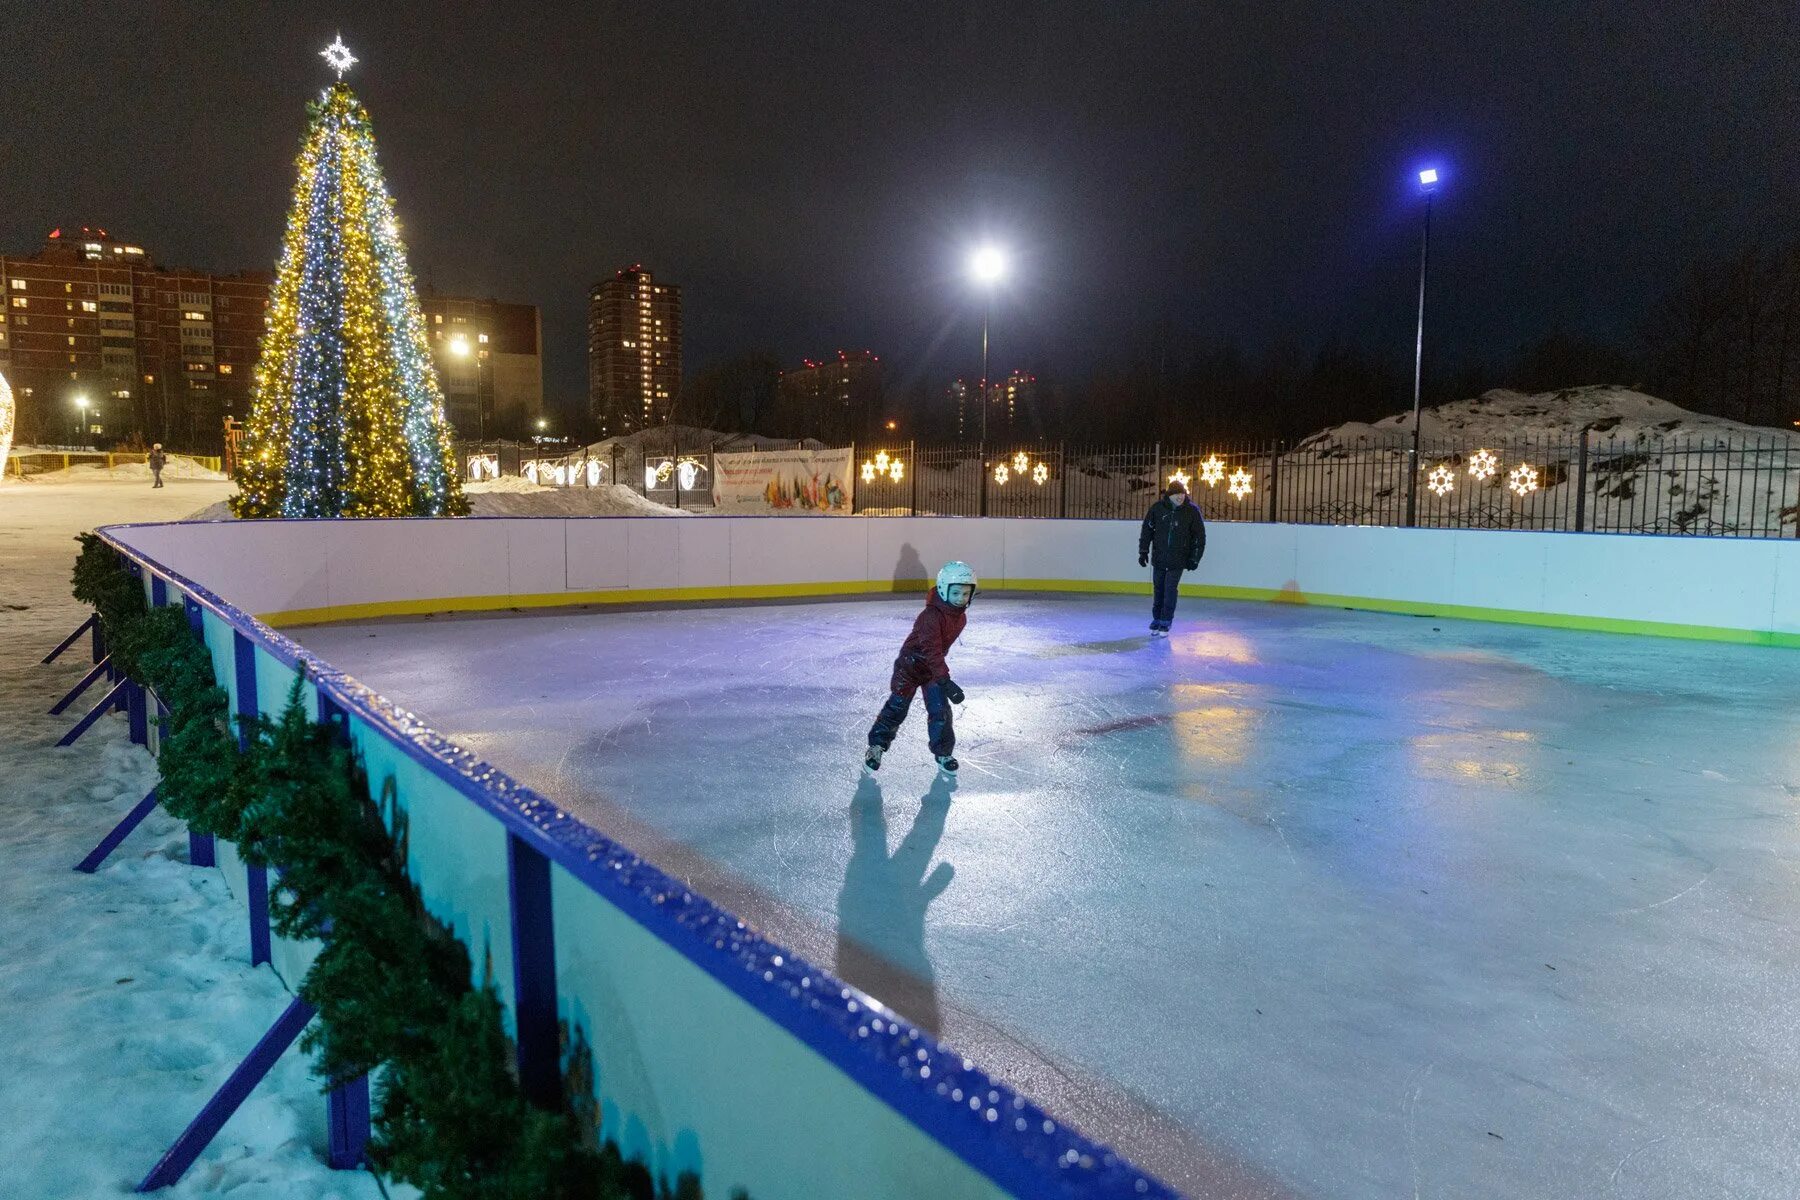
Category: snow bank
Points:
column 127, row 995
column 513, row 497
column 179, row 467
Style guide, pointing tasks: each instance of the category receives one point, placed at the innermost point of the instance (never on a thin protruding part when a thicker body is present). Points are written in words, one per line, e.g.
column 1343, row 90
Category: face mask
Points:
column 1175, row 499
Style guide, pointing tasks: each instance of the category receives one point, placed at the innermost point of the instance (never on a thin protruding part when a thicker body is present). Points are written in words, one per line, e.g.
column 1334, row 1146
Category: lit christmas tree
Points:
column 347, row 419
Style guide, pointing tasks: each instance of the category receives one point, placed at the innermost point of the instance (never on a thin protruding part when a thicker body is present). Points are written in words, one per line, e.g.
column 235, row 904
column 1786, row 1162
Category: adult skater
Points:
column 157, row 460
column 922, row 664
column 1172, row 540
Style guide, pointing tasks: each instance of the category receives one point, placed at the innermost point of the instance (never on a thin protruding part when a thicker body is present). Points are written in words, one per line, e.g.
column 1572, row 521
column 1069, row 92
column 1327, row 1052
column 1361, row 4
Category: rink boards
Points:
column 295, row 573
column 711, row 1049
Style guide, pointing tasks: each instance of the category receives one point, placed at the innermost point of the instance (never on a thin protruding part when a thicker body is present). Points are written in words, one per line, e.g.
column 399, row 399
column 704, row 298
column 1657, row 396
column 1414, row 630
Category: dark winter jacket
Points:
column 157, row 460
column 1173, row 536
column 921, row 658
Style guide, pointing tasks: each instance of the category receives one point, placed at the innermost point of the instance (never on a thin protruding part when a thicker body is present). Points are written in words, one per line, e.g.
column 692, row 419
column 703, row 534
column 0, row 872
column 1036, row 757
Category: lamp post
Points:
column 1428, row 183
column 81, row 407
column 987, row 266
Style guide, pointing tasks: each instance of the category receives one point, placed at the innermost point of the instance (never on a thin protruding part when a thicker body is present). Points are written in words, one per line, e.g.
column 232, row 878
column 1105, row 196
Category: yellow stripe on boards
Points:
column 788, row 591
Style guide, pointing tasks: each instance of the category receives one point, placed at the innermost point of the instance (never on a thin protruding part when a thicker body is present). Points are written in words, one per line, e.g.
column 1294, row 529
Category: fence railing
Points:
column 23, row 463
column 1712, row 486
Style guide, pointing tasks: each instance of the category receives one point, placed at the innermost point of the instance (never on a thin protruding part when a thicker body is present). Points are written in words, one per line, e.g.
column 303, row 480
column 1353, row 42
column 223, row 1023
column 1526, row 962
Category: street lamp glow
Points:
column 987, row 265
column 1428, row 177
column 82, row 402
column 543, row 424
column 459, row 346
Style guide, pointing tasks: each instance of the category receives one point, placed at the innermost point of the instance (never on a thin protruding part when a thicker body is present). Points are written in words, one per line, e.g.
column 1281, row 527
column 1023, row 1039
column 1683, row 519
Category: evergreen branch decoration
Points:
column 391, row 983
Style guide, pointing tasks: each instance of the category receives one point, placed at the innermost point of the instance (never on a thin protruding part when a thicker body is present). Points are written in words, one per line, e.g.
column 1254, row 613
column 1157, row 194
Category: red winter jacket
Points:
column 921, row 658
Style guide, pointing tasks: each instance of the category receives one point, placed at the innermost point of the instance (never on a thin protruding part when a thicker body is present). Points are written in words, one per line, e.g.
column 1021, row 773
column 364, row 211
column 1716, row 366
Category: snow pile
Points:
column 1505, row 416
column 1648, row 467
column 511, row 497
column 127, row 994
column 514, row 497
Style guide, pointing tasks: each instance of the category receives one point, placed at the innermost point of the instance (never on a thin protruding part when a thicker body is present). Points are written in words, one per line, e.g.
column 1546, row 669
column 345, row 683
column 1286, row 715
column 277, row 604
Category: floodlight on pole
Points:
column 987, row 267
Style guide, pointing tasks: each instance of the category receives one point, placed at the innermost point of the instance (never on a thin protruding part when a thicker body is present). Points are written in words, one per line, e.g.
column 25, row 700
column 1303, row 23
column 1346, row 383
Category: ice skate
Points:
column 947, row 763
column 872, row 759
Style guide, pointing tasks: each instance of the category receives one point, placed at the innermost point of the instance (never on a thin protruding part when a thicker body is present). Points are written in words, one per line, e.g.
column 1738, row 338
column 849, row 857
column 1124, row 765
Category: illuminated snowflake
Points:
column 1001, row 474
column 1040, row 473
column 1483, row 464
column 1240, row 483
column 881, row 463
column 1181, row 477
column 1523, row 479
column 1021, row 460
column 1441, row 481
column 896, row 472
column 1212, row 471
column 868, row 471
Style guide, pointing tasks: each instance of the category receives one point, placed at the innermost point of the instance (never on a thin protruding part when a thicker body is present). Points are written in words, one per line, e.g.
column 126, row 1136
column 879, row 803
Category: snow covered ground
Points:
column 125, row 996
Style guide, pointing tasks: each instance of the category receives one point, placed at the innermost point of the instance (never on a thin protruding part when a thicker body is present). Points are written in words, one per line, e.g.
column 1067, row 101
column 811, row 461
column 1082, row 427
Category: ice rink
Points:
column 1298, row 902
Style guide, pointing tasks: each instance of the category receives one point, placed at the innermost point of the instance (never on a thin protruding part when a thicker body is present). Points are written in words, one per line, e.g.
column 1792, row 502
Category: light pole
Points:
column 987, row 266
column 81, row 407
column 1428, row 183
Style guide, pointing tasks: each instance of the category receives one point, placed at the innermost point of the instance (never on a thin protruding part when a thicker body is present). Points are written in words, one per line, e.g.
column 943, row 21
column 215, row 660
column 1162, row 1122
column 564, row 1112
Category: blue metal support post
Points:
column 256, row 878
column 201, row 851
column 534, row 973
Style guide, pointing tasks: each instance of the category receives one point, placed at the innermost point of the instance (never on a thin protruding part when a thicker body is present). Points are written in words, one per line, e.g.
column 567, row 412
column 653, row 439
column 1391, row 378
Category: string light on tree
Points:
column 1441, row 480
column 1240, row 483
column 1523, row 479
column 1212, row 471
column 347, row 417
column 1483, row 464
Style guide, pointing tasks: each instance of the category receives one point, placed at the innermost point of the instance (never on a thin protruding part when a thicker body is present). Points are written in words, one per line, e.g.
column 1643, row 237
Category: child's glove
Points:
column 1143, row 560
column 952, row 693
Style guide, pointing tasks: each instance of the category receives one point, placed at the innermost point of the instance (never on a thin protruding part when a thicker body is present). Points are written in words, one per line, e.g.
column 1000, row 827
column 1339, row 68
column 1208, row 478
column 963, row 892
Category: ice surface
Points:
column 1336, row 904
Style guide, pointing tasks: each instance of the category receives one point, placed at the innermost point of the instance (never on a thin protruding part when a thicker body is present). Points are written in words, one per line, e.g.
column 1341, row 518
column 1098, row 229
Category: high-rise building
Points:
column 166, row 353
column 489, row 359
column 634, row 351
column 169, row 353
column 834, row 400
column 1008, row 400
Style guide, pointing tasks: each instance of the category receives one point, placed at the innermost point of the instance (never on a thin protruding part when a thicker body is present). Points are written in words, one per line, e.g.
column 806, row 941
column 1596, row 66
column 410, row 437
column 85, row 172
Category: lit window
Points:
column 224, row 368
column 21, row 302
column 89, row 306
column 149, row 379
column 437, row 318
column 69, row 287
column 18, row 285
column 482, row 338
column 71, row 341
column 194, row 316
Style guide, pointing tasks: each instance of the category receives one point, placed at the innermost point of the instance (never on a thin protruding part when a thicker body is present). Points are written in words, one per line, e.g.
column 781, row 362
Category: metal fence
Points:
column 1714, row 486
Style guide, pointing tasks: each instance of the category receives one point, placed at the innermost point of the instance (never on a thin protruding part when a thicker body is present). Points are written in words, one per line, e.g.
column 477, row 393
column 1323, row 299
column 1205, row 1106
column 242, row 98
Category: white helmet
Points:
column 952, row 574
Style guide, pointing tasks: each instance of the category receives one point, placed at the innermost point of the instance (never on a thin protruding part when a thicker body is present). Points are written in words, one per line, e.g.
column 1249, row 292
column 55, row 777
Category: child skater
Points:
column 921, row 665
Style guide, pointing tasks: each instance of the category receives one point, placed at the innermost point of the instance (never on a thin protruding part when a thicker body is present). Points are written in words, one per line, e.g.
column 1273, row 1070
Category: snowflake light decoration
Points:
column 1441, row 481
column 1001, row 474
column 868, row 471
column 1181, row 477
column 338, row 57
column 1212, row 471
column 1523, row 479
column 896, row 472
column 1483, row 464
column 1021, row 460
column 1240, row 483
column 881, row 462
column 1039, row 474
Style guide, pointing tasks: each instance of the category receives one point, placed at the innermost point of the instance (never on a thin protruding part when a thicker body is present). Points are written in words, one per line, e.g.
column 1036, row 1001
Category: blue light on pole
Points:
column 1428, row 183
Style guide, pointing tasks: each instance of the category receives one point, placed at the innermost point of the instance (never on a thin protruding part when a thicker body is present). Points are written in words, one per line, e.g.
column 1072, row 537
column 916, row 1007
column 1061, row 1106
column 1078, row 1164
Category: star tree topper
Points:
column 338, row 56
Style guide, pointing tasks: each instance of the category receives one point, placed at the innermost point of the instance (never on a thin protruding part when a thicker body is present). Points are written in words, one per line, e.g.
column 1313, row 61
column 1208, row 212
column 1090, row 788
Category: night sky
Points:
column 1168, row 175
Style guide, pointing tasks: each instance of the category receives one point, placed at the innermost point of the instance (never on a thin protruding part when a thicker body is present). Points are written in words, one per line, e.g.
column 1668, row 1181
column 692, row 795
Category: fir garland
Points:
column 391, row 983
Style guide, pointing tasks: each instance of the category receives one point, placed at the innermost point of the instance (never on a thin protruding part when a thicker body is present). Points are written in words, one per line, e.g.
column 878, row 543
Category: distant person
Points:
column 922, row 664
column 157, row 460
column 1171, row 541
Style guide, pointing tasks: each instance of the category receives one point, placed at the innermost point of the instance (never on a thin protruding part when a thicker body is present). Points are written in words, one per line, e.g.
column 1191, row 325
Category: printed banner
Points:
column 787, row 482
